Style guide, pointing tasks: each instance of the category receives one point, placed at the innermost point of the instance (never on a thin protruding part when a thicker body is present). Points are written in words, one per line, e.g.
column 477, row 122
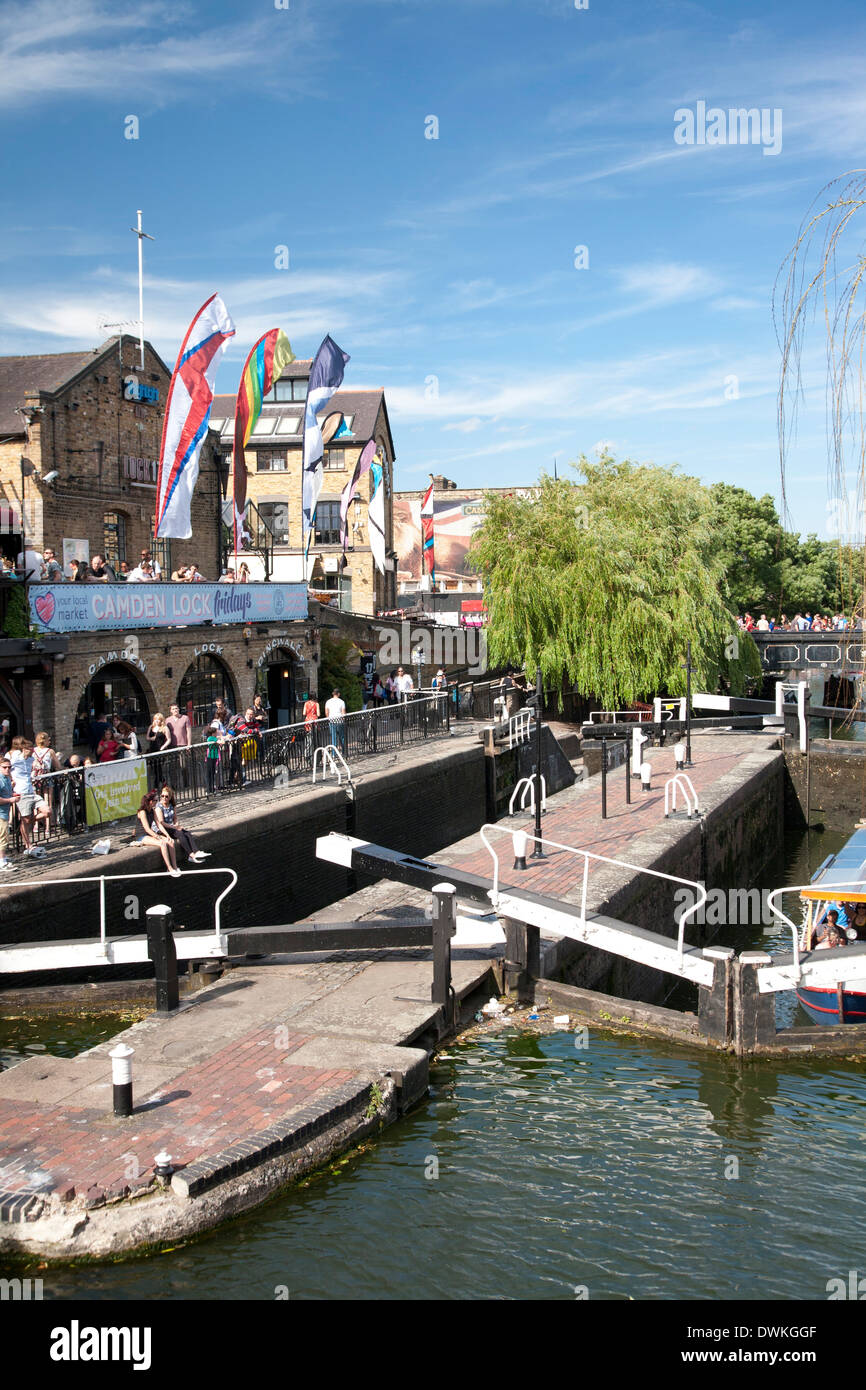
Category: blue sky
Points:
column 445, row 267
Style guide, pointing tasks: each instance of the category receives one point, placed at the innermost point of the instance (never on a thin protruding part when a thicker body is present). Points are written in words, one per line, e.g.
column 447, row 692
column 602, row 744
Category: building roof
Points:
column 47, row 372
column 363, row 406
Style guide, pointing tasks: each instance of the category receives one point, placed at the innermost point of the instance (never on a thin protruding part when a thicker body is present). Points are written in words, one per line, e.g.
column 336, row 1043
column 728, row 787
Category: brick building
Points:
column 89, row 427
column 274, row 484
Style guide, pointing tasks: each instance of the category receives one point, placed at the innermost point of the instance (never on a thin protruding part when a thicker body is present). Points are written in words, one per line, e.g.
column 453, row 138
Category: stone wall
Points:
column 837, row 795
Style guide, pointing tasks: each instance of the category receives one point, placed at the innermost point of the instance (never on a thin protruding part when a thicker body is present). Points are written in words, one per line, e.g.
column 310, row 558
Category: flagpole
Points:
column 141, row 235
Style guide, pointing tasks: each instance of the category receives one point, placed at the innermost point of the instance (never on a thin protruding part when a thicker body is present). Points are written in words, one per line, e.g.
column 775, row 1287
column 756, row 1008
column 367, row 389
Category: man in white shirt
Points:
column 405, row 684
column 335, row 712
column 32, row 563
column 155, row 571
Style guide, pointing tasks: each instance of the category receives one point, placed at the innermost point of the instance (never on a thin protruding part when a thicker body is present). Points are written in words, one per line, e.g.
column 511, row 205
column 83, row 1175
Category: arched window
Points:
column 205, row 682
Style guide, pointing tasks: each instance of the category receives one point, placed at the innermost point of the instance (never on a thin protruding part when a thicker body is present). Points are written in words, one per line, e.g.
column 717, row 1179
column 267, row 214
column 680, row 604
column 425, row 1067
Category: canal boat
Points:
column 844, row 1002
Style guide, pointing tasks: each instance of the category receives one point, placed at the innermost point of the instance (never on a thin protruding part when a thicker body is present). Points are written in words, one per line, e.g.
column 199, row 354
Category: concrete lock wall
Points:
column 273, row 851
column 838, row 783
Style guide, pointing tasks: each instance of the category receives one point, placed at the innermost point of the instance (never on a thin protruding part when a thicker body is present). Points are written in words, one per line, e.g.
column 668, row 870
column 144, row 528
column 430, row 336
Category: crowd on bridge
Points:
column 35, row 567
column 801, row 622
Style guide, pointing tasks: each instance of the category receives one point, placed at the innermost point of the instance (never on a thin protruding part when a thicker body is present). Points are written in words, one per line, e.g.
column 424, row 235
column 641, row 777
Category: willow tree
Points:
column 603, row 583
column 824, row 278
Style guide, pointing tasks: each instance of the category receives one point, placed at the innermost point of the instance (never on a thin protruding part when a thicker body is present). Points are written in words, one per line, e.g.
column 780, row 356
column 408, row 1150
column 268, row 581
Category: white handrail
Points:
column 602, row 859
column 682, row 781
column 637, row 716
column 519, row 726
column 102, row 879
column 832, row 896
column 528, row 785
column 332, row 761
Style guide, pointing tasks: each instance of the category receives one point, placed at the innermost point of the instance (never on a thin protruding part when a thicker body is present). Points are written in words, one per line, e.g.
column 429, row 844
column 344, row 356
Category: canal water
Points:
column 543, row 1169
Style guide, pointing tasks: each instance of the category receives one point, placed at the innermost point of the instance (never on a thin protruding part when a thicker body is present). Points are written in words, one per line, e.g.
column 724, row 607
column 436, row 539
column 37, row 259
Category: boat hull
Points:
column 822, row 1005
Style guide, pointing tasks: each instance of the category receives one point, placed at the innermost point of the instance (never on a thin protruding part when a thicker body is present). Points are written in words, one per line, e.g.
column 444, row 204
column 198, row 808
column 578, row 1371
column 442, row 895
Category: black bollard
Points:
column 444, row 927
column 160, row 949
column 627, row 774
column 604, row 779
column 121, row 1078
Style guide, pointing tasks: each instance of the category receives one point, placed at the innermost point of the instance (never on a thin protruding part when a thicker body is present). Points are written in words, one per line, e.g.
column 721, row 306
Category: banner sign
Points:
column 96, row 607
column 114, row 790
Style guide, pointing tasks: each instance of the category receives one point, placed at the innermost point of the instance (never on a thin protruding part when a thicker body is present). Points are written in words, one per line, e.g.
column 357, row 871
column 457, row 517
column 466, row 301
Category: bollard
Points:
column 638, row 740
column 646, row 773
column 680, row 756
column 160, row 949
column 121, row 1079
column 627, row 775
column 520, row 840
column 604, row 779
column 444, row 927
column 162, row 1166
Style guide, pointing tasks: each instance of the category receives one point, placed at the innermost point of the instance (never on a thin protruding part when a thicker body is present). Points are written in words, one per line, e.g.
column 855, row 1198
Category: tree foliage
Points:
column 334, row 673
column 603, row 583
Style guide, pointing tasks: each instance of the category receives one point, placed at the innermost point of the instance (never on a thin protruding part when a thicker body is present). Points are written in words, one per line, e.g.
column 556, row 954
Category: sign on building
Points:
column 95, row 607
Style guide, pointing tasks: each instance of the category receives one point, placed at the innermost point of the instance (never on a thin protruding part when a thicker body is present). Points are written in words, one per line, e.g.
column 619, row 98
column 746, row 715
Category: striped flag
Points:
column 364, row 464
column 326, row 374
column 376, row 514
column 187, row 412
column 428, row 559
column 262, row 368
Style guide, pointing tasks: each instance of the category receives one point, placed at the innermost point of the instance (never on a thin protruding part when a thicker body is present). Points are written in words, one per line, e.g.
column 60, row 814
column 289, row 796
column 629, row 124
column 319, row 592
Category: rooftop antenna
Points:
column 141, row 235
column 121, row 324
column 555, row 475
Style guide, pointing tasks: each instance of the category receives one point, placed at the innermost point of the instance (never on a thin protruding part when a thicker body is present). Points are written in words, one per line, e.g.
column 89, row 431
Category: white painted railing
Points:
column 526, row 786
column 682, row 782
column 614, row 716
column 102, row 879
column 701, row 892
column 833, row 895
column 519, row 727
column 332, row 761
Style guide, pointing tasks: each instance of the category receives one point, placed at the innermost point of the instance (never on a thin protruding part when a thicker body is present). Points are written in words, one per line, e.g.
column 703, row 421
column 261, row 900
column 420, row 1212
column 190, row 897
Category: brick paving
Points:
column 237, row 1092
column 574, row 818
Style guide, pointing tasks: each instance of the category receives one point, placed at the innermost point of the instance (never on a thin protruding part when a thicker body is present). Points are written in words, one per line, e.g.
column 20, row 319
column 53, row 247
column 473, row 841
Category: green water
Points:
column 538, row 1169
column 63, row 1035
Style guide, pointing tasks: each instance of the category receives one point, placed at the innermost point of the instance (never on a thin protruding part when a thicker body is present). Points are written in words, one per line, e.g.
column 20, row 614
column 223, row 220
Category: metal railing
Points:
column 273, row 757
column 599, row 859
column 102, row 879
column 682, row 782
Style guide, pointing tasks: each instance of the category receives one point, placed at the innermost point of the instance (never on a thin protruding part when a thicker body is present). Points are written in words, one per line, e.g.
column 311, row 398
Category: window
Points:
column 271, row 463
column 282, row 391
column 264, row 425
column 161, row 551
column 328, row 523
column 288, row 424
column 114, row 538
column 335, row 458
column 341, row 585
column 276, row 516
column 205, row 682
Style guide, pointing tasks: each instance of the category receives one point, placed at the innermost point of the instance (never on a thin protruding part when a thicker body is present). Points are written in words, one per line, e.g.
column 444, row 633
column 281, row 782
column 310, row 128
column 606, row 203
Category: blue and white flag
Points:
column 187, row 413
column 326, row 376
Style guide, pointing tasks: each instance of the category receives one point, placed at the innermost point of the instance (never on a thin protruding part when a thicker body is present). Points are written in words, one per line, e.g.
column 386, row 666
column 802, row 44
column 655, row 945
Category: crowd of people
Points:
column 801, row 622
column 35, row 567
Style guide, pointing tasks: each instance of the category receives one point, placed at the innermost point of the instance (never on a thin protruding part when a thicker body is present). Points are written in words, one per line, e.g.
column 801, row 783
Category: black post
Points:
column 604, row 779
column 444, row 927
column 160, row 949
column 538, row 852
column 689, row 762
column 627, row 760
column 121, row 1077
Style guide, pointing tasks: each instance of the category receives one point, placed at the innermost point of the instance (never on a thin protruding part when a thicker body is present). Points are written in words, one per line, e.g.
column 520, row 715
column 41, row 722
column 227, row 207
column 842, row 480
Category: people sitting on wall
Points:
column 154, row 564
column 227, row 577
column 166, row 822
column 52, row 574
column 179, row 575
column 78, row 571
column 146, row 834
column 30, row 565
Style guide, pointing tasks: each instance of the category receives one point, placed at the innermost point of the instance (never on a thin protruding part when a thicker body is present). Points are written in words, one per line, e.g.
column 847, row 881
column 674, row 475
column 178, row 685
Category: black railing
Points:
column 275, row 757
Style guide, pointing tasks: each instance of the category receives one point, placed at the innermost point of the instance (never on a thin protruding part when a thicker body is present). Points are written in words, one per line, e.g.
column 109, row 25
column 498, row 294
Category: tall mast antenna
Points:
column 141, row 235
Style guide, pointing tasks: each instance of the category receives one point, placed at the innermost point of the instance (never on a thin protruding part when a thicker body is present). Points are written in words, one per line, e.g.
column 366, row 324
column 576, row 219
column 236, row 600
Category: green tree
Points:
column 819, row 575
column 603, row 583
column 751, row 545
column 334, row 673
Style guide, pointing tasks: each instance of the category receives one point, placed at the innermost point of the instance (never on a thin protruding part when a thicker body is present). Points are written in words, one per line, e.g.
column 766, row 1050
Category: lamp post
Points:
column 27, row 471
column 688, row 670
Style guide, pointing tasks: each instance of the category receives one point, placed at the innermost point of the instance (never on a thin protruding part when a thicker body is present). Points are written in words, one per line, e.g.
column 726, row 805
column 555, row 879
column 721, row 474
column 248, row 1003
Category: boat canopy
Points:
column 848, row 866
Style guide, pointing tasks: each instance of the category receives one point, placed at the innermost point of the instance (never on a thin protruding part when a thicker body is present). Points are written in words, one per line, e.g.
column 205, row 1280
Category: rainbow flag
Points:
column 262, row 368
column 428, row 559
